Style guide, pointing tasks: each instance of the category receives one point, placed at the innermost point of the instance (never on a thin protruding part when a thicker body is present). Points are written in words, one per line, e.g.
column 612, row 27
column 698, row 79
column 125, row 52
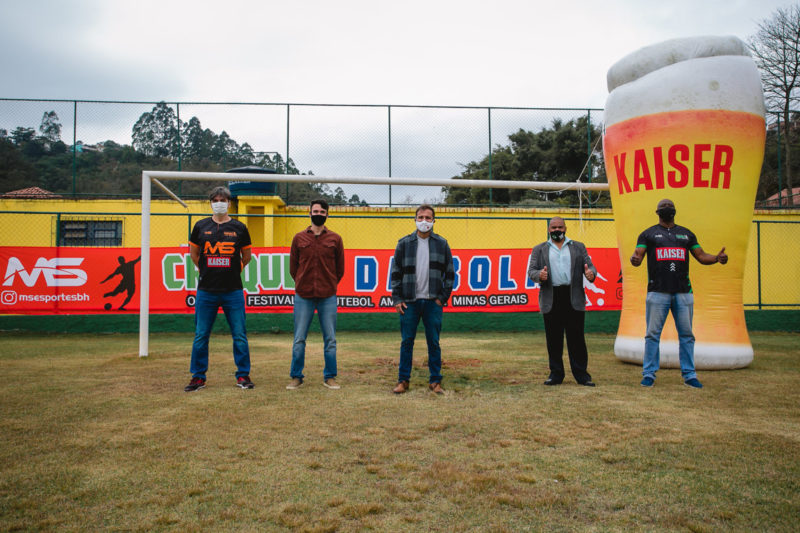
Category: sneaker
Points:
column 694, row 383
column 331, row 384
column 195, row 384
column 244, row 382
column 648, row 382
column 402, row 386
column 436, row 387
column 295, row 384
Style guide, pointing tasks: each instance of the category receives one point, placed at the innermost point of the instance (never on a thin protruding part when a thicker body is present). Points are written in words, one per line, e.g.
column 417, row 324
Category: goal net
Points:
column 157, row 178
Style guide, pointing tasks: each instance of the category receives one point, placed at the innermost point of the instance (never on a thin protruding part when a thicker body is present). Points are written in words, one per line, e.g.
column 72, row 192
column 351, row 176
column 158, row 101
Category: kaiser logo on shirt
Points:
column 671, row 254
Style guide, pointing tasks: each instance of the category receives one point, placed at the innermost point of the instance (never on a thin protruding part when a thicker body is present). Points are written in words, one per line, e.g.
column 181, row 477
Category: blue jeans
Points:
column 206, row 306
column 658, row 306
column 303, row 313
column 431, row 314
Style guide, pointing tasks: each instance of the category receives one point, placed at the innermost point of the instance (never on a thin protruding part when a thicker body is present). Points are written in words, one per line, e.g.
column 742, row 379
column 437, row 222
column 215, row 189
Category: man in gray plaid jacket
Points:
column 422, row 280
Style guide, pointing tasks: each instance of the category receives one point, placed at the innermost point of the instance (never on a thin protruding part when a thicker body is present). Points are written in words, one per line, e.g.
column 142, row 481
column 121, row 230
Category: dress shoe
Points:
column 551, row 381
column 436, row 388
column 588, row 384
column 402, row 386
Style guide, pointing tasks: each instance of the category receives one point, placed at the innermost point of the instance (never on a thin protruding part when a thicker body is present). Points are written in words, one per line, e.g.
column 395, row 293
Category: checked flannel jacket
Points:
column 442, row 274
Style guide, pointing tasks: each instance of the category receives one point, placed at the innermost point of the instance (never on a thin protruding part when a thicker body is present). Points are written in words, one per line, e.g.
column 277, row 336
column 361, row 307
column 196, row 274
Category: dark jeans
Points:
column 431, row 314
column 206, row 306
column 561, row 319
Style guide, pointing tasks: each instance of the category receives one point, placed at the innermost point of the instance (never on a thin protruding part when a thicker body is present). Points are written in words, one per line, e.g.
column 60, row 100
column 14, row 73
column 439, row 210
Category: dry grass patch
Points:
column 96, row 438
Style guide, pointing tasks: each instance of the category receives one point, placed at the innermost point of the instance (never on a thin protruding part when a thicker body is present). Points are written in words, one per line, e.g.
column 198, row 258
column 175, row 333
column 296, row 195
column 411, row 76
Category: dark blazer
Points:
column 540, row 257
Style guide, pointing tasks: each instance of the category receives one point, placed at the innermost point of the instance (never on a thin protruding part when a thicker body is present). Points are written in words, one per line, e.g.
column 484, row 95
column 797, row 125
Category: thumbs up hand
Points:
column 722, row 257
column 588, row 272
column 543, row 274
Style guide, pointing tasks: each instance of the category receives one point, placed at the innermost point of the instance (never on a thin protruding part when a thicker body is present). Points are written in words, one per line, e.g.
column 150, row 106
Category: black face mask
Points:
column 666, row 213
column 556, row 235
column 318, row 220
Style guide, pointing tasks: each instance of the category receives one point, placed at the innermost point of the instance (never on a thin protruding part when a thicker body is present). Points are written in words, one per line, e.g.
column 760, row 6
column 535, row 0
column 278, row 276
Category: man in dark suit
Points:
column 559, row 265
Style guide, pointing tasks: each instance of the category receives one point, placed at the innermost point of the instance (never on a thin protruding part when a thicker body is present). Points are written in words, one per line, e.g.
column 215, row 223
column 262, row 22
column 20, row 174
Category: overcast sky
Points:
column 527, row 53
column 504, row 53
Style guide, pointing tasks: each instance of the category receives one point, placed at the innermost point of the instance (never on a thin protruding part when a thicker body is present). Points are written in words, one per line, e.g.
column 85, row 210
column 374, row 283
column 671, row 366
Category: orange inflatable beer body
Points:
column 685, row 121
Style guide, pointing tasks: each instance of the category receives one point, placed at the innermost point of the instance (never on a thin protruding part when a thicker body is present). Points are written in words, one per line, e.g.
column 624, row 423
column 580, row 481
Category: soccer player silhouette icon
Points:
column 127, row 283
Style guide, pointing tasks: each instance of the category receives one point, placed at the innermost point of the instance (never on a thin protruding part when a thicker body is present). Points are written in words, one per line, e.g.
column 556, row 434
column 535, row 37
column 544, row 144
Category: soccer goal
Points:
column 156, row 177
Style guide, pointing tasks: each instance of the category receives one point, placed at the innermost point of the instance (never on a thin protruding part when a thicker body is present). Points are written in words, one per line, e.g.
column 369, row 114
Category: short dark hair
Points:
column 322, row 203
column 425, row 207
column 219, row 191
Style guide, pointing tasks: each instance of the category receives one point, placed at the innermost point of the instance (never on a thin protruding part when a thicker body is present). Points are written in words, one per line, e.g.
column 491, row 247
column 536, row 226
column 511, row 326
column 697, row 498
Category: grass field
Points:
column 95, row 438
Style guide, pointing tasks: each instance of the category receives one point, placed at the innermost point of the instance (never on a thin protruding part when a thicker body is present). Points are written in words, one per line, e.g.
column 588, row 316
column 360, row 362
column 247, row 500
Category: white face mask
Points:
column 219, row 208
column 424, row 226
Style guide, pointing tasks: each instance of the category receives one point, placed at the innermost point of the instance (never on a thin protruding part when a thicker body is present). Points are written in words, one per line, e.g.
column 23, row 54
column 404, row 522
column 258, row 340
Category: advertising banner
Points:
column 50, row 280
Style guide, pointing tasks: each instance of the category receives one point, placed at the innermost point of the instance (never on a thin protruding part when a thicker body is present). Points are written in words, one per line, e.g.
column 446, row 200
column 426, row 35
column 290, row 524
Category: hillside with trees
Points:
column 159, row 142
column 555, row 153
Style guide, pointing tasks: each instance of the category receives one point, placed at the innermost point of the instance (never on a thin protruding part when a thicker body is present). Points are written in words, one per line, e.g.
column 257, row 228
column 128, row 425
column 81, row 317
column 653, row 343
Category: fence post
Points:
column 389, row 109
column 490, row 152
column 180, row 151
column 74, row 144
column 780, row 169
column 58, row 230
column 758, row 248
column 286, row 163
column 589, row 151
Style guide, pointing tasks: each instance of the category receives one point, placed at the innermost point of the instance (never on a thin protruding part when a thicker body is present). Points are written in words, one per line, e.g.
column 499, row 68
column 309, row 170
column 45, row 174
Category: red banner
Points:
column 103, row 280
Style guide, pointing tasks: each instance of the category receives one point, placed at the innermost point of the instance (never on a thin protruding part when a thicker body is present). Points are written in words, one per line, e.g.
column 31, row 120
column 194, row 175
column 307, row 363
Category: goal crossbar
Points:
column 153, row 176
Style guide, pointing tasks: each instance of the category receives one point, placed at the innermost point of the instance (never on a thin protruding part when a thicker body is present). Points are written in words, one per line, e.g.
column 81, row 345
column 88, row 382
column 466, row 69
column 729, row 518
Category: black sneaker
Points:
column 244, row 382
column 195, row 384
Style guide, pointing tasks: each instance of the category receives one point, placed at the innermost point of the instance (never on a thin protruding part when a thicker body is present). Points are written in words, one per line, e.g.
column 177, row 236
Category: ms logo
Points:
column 53, row 271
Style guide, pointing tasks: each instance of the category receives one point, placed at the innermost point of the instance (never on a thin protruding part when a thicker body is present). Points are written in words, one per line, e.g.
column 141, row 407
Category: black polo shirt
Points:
column 668, row 251
column 221, row 248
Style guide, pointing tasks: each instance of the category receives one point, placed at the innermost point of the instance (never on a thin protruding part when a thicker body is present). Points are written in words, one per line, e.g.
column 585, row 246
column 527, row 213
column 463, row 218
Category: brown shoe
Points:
column 402, row 386
column 295, row 384
column 436, row 387
column 331, row 384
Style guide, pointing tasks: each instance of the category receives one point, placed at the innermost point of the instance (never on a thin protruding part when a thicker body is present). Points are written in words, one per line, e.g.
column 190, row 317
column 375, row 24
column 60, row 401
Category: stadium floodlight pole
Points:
column 153, row 176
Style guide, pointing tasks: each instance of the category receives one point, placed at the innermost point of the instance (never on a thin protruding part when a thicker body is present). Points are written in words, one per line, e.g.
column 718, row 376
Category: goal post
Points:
column 150, row 177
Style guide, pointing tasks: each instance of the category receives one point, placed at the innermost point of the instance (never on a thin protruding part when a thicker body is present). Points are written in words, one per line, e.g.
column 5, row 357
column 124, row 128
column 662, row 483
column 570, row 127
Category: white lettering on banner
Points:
column 54, row 275
column 670, row 254
column 48, row 298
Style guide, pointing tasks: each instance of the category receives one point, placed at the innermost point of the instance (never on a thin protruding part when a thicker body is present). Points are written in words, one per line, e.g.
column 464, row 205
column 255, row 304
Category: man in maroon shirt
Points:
column 316, row 263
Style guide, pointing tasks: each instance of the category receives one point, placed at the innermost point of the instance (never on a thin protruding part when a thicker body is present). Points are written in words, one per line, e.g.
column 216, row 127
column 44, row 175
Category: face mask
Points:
column 666, row 213
column 424, row 226
column 556, row 235
column 318, row 220
column 219, row 208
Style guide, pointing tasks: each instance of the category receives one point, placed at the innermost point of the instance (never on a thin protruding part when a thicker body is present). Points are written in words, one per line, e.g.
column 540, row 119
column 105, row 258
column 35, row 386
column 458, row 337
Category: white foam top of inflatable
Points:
column 659, row 55
column 682, row 74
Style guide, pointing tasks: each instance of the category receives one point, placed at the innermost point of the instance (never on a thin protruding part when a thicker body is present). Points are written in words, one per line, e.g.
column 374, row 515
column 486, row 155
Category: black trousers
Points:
column 562, row 319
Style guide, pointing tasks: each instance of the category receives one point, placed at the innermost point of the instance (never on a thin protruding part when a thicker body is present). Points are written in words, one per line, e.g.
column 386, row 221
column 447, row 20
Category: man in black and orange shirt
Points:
column 220, row 249
column 668, row 246
column 316, row 263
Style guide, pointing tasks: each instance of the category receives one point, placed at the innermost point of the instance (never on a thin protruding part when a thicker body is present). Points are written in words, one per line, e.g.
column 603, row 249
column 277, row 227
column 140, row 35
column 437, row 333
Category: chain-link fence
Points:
column 772, row 276
column 89, row 148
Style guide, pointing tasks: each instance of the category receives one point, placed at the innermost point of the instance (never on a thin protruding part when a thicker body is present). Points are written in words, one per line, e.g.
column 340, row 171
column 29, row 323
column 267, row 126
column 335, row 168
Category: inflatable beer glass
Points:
column 684, row 120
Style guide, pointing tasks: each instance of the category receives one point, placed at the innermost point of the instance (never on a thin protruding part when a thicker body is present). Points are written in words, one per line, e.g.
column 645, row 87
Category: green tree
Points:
column 156, row 132
column 50, row 127
column 196, row 141
column 557, row 153
column 776, row 51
